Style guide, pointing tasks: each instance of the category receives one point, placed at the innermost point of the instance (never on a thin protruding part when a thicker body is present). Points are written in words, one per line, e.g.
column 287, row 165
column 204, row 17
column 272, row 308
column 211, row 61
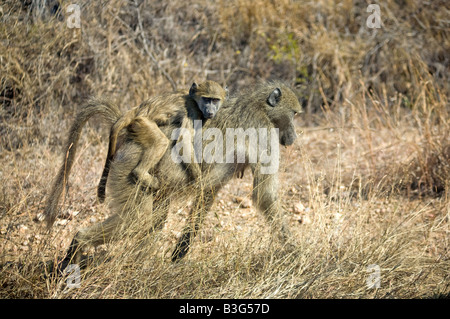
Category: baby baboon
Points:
column 269, row 107
column 143, row 124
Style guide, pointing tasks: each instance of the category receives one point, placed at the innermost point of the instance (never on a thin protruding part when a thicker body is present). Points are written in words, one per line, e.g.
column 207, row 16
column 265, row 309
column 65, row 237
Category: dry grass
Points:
column 367, row 183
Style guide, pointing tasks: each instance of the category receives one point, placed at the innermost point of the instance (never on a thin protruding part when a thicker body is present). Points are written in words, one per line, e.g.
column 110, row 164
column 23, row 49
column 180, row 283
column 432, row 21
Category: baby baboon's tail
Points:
column 110, row 114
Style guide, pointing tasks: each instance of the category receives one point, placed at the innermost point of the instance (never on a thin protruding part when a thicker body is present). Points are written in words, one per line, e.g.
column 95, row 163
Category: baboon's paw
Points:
column 145, row 180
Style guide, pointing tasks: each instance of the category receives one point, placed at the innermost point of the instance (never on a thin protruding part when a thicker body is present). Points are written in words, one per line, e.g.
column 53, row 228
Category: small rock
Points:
column 39, row 217
column 93, row 220
column 306, row 220
column 298, row 208
column 176, row 234
column 338, row 218
column 22, row 228
column 295, row 217
column 62, row 222
column 244, row 202
column 64, row 215
column 74, row 213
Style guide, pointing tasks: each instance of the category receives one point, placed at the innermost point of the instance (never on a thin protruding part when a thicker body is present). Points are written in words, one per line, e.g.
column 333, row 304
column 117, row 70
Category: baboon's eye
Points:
column 274, row 97
column 215, row 101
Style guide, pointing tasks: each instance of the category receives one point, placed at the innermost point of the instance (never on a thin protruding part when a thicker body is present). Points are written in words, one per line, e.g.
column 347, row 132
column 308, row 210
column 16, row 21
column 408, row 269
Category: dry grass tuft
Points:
column 367, row 183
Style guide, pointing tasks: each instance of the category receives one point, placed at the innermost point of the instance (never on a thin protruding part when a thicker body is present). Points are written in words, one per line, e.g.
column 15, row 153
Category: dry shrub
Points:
column 376, row 131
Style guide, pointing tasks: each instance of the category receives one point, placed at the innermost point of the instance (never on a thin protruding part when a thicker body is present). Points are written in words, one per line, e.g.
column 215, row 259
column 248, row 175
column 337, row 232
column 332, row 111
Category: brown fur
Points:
column 143, row 124
column 270, row 105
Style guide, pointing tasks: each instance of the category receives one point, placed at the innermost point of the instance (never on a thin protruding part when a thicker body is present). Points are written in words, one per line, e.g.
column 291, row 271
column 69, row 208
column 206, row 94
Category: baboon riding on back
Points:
column 267, row 108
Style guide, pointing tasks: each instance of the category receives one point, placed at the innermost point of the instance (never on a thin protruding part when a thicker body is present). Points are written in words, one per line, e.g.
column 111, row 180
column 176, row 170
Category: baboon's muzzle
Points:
column 288, row 137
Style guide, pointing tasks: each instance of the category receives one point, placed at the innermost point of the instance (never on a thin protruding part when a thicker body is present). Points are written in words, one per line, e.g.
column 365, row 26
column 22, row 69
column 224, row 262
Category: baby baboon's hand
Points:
column 145, row 179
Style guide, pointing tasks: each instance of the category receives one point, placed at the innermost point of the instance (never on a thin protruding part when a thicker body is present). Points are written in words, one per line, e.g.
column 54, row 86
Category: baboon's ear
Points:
column 274, row 97
column 193, row 89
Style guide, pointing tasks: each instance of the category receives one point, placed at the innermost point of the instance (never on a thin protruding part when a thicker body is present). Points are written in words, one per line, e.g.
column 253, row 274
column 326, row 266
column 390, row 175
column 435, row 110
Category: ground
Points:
column 365, row 187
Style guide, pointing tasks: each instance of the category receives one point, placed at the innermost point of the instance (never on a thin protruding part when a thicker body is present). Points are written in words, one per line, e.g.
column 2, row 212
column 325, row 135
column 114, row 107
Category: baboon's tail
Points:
column 110, row 114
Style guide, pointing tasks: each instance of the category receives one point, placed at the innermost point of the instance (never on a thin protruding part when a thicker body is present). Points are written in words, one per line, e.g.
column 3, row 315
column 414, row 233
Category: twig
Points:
column 147, row 50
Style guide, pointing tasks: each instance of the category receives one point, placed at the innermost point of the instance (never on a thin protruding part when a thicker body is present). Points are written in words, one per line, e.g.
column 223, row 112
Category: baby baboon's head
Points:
column 209, row 96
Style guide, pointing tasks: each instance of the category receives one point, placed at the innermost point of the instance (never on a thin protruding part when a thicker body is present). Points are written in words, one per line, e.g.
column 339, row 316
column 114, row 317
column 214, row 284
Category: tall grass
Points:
column 371, row 168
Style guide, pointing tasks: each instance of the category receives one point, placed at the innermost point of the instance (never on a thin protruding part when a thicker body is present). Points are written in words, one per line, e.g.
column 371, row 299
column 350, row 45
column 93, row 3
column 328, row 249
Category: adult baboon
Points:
column 269, row 107
column 143, row 124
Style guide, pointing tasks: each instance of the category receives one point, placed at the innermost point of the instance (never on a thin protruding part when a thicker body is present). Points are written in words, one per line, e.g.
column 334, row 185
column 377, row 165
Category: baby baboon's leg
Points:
column 197, row 214
column 115, row 130
column 154, row 144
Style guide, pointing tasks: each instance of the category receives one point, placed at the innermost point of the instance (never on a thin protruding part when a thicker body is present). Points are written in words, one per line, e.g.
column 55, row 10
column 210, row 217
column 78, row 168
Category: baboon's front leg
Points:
column 160, row 212
column 196, row 216
column 265, row 197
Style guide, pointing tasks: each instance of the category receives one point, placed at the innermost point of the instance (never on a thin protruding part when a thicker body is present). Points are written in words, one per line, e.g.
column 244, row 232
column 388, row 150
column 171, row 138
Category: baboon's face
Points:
column 209, row 97
column 282, row 106
column 209, row 106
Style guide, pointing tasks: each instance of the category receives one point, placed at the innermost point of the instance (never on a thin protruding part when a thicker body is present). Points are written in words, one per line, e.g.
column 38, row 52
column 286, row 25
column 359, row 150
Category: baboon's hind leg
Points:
column 94, row 235
column 110, row 229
